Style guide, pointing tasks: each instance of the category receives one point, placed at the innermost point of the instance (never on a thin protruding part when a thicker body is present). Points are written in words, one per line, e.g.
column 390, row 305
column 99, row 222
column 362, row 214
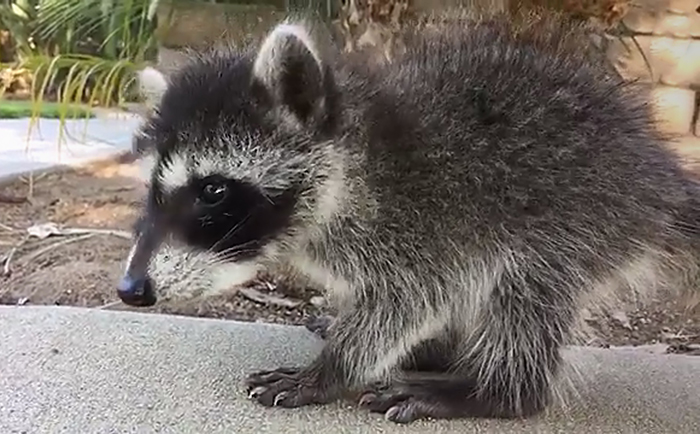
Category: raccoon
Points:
column 460, row 204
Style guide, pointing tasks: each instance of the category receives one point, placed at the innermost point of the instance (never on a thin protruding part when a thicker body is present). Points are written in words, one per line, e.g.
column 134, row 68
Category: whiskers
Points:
column 233, row 253
column 231, row 232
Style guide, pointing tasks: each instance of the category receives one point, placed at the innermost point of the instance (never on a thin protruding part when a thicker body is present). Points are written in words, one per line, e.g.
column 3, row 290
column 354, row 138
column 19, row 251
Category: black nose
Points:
column 136, row 292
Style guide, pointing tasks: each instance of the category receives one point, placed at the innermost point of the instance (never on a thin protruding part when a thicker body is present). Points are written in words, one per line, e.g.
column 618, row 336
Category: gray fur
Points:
column 466, row 200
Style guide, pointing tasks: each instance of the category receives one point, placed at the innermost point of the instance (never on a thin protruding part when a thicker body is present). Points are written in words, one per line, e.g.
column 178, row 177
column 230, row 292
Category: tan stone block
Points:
column 679, row 26
column 673, row 109
column 169, row 59
column 628, row 58
column 686, row 71
column 677, row 6
column 655, row 17
column 688, row 149
column 643, row 17
column 673, row 61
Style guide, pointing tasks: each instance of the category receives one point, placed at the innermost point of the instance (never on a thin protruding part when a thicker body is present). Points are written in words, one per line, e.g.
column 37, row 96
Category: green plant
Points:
column 18, row 18
column 89, row 49
column 80, row 51
column 24, row 109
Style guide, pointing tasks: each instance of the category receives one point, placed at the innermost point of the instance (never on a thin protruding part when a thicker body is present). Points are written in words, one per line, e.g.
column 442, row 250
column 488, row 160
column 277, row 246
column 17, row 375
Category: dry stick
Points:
column 86, row 234
column 6, row 266
column 6, row 198
column 57, row 244
column 80, row 231
column 31, row 185
column 108, row 305
column 7, row 228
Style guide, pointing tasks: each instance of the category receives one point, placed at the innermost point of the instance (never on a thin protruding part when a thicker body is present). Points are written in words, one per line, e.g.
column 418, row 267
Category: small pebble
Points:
column 318, row 301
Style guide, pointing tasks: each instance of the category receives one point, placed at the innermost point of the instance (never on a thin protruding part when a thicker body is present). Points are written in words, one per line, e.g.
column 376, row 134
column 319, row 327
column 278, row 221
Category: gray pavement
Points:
column 74, row 370
column 49, row 145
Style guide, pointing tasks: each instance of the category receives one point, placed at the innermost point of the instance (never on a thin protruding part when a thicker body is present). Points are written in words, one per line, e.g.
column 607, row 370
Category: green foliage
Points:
column 81, row 50
column 26, row 109
column 111, row 29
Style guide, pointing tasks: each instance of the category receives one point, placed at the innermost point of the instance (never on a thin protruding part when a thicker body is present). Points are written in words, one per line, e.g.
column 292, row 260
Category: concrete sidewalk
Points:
column 50, row 145
column 72, row 370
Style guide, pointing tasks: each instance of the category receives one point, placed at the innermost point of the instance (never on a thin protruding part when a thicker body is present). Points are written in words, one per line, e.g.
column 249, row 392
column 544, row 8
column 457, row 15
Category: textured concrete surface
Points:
column 72, row 370
column 48, row 145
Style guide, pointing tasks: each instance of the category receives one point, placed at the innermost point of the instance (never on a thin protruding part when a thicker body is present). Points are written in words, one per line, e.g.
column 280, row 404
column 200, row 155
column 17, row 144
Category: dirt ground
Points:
column 82, row 270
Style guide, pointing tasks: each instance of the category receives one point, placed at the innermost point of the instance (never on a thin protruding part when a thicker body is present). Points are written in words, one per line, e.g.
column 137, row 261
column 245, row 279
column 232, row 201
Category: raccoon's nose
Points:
column 136, row 292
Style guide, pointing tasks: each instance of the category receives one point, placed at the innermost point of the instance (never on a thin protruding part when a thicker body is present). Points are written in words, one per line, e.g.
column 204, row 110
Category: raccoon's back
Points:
column 490, row 130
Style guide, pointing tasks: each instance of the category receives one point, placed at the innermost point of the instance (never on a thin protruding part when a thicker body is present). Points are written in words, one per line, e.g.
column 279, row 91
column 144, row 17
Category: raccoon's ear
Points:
column 152, row 85
column 290, row 74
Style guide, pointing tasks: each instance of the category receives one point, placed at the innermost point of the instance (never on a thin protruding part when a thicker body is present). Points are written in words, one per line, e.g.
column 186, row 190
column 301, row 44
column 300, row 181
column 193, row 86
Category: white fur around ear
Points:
column 275, row 48
column 152, row 85
column 290, row 68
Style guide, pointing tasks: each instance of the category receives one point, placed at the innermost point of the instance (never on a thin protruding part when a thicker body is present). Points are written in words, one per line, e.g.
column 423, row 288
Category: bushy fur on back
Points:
column 460, row 204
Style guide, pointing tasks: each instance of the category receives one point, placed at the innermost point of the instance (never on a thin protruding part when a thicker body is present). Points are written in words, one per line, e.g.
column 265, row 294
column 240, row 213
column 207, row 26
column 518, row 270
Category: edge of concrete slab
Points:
column 117, row 157
column 69, row 369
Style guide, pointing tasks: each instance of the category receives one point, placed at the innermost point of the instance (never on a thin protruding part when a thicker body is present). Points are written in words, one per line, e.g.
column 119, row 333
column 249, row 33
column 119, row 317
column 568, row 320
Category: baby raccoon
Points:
column 460, row 204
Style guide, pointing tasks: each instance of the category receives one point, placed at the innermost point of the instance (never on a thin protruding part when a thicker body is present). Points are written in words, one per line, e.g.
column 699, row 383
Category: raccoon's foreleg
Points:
column 434, row 355
column 319, row 325
column 364, row 345
column 504, row 369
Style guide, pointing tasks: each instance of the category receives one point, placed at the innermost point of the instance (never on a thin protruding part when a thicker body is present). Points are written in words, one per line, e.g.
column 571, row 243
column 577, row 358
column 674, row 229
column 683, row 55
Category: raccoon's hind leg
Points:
column 505, row 368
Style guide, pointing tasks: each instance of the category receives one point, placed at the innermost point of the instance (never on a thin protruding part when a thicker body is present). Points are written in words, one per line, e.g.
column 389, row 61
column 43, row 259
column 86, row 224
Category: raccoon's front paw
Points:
column 319, row 325
column 287, row 387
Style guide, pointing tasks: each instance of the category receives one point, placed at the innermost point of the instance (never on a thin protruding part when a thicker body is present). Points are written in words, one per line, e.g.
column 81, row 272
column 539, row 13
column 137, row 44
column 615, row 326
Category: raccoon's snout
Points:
column 136, row 292
column 136, row 288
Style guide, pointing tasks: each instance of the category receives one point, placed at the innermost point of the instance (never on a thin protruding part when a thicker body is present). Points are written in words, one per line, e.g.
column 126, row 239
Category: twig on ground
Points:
column 6, row 198
column 31, row 179
column 46, row 230
column 57, row 244
column 6, row 271
column 111, row 304
column 679, row 336
column 258, row 296
column 7, row 228
column 689, row 350
column 118, row 189
column 6, row 268
column 84, row 231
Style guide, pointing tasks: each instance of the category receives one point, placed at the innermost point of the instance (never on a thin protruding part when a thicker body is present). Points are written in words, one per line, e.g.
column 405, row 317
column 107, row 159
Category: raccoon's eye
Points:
column 213, row 193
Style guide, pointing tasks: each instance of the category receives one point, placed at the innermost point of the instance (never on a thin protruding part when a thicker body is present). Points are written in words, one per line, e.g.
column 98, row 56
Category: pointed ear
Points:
column 290, row 75
column 152, row 85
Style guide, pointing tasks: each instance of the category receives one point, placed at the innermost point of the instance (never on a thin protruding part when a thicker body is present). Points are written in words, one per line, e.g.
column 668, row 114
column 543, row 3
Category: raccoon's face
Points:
column 238, row 140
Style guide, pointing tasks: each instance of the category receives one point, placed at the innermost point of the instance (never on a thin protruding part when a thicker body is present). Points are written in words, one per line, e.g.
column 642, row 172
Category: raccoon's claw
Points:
column 285, row 387
column 405, row 403
column 400, row 407
column 265, row 377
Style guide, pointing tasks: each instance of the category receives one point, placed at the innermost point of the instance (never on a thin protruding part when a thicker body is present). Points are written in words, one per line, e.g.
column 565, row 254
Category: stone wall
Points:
column 197, row 25
column 183, row 24
column 663, row 48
